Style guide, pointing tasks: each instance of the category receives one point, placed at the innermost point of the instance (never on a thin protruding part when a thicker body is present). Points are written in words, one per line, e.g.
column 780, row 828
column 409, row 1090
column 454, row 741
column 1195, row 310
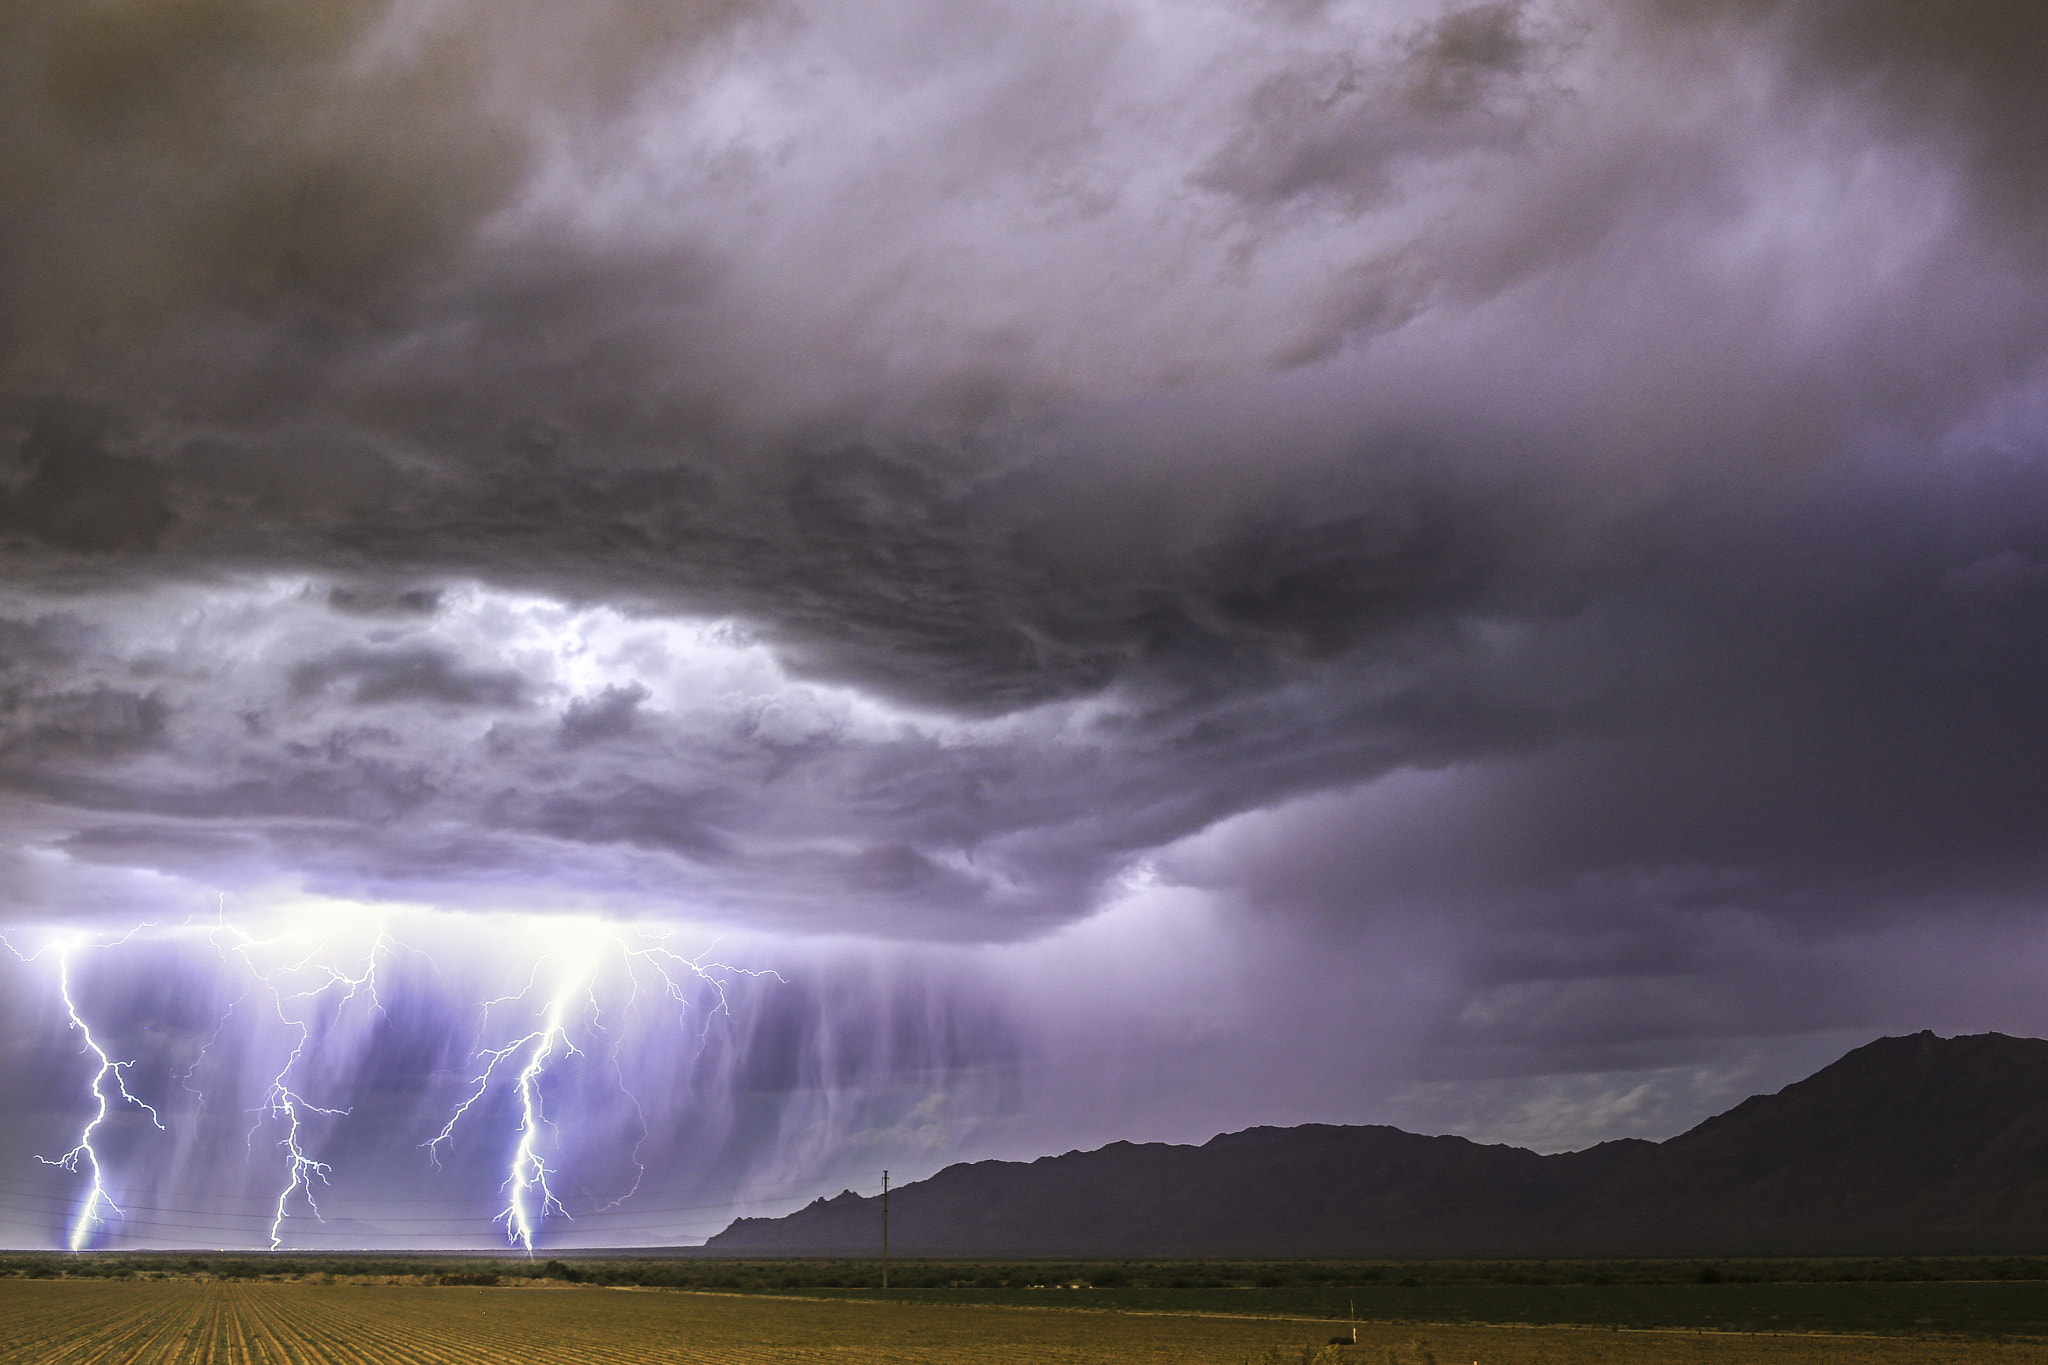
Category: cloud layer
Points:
column 1545, row 498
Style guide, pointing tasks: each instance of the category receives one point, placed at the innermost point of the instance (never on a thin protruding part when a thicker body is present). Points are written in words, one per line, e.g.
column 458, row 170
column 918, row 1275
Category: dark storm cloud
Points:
column 98, row 723
column 361, row 600
column 1961, row 74
column 1090, row 431
column 71, row 492
column 1802, row 749
column 371, row 677
column 1335, row 129
column 609, row 715
column 629, row 812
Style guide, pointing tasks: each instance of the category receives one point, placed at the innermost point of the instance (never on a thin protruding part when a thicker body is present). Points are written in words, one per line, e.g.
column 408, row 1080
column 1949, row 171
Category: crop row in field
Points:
column 216, row 1322
column 1894, row 1297
column 682, row 1269
column 1992, row 1309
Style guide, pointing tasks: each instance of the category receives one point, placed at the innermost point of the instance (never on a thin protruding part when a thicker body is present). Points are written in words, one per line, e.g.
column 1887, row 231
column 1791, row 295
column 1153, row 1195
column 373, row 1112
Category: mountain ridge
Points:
column 1916, row 1144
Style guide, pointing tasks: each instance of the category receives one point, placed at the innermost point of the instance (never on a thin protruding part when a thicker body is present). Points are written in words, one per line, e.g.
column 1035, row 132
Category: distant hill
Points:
column 1909, row 1145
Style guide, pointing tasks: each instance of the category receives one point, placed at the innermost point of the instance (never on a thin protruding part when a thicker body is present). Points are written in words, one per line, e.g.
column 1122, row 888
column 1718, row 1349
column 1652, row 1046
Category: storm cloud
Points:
column 1525, row 523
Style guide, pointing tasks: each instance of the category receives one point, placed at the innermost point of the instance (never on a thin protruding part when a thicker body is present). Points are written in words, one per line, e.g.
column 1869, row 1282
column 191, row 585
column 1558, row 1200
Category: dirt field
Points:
column 206, row 1322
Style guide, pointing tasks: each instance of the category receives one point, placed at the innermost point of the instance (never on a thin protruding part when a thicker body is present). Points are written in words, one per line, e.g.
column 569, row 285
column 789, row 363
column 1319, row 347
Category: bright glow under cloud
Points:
column 614, row 760
column 327, row 1074
column 287, row 1061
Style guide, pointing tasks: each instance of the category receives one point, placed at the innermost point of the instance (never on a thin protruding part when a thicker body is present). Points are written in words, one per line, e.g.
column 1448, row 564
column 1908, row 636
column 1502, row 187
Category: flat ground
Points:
column 215, row 1322
column 1956, row 1308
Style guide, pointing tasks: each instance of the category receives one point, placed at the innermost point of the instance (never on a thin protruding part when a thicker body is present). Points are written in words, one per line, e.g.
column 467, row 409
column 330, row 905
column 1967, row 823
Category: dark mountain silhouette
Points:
column 1908, row 1145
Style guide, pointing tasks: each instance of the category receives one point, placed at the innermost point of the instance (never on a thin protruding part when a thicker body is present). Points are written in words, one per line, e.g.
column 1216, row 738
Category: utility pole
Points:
column 885, row 1229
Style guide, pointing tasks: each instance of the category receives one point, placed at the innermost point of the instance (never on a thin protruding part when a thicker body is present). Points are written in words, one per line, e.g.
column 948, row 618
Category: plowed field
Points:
column 205, row 1322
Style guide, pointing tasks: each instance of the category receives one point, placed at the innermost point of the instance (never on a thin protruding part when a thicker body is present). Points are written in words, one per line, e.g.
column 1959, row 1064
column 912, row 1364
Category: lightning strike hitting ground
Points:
column 301, row 1001
column 282, row 1103
column 573, row 1000
column 322, row 985
column 83, row 1156
column 529, row 1174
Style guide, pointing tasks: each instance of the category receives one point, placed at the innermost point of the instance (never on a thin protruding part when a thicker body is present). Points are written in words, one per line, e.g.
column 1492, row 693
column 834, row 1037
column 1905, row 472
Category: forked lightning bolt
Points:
column 587, row 983
column 289, row 1108
column 529, row 1175
column 83, row 1157
column 282, row 1103
column 572, row 999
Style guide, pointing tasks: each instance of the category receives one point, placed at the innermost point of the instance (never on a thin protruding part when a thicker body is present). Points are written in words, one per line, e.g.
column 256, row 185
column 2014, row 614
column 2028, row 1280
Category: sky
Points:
column 616, row 615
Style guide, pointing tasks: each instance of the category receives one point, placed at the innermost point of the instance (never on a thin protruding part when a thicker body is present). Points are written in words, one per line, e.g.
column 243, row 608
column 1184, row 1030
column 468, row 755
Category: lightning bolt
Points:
column 529, row 1173
column 590, row 988
column 84, row 1157
column 571, row 1001
column 670, row 968
column 527, row 1176
column 283, row 1105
